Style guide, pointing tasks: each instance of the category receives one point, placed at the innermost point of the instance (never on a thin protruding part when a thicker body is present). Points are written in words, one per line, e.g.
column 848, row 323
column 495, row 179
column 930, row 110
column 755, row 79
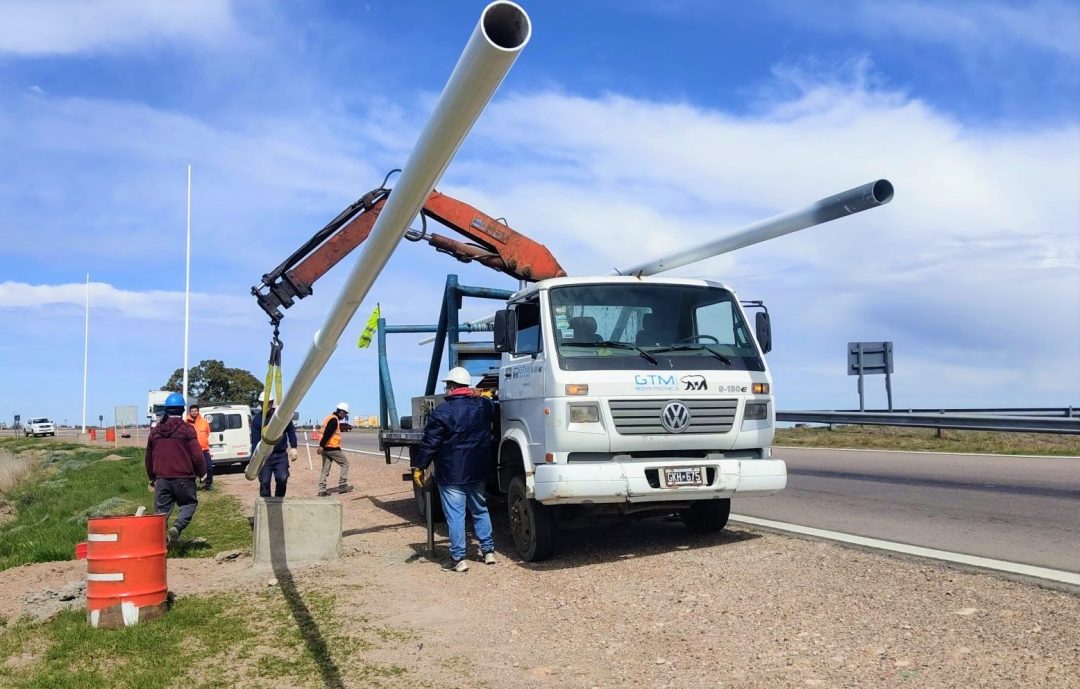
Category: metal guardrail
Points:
column 998, row 411
column 969, row 420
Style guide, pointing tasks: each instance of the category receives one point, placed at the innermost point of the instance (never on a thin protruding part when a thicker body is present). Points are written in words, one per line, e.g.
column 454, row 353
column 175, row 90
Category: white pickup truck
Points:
column 40, row 426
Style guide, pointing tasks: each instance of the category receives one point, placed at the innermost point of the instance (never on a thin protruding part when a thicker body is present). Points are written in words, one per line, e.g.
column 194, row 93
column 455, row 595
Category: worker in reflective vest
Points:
column 202, row 432
column 330, row 450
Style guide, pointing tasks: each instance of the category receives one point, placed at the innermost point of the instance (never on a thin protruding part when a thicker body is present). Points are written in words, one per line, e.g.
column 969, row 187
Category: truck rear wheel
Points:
column 530, row 523
column 707, row 516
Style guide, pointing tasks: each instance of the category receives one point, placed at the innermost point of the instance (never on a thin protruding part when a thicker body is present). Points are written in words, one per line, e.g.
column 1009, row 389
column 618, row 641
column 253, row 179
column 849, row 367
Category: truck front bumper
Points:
column 642, row 481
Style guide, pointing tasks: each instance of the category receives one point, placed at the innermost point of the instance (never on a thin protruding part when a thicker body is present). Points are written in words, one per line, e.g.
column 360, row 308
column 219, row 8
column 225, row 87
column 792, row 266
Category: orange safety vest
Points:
column 335, row 440
column 202, row 430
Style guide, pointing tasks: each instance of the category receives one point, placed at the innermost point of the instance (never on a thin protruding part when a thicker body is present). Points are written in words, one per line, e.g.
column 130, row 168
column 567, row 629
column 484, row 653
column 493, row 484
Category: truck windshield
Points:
column 610, row 326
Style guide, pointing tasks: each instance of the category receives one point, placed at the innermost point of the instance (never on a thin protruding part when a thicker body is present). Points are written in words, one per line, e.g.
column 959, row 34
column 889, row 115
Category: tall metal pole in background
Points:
column 500, row 35
column 86, row 351
column 187, row 287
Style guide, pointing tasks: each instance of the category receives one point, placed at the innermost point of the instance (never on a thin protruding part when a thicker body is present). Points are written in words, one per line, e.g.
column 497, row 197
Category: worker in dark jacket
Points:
column 457, row 438
column 277, row 464
column 174, row 460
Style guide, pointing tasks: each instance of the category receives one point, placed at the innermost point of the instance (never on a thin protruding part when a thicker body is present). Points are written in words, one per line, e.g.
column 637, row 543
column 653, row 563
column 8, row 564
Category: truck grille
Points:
column 642, row 417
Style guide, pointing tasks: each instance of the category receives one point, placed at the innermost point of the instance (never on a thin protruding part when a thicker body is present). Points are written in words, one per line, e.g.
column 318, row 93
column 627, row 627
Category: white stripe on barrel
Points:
column 102, row 537
column 108, row 576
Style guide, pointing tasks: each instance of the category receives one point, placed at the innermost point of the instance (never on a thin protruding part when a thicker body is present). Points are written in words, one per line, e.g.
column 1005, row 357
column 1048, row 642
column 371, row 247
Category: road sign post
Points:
column 871, row 358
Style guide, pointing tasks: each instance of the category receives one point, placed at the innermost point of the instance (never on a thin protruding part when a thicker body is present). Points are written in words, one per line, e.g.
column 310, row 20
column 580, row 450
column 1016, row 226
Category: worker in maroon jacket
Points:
column 174, row 460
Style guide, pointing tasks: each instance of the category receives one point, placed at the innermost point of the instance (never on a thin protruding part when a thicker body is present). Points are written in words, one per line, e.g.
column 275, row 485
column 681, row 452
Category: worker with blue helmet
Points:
column 174, row 459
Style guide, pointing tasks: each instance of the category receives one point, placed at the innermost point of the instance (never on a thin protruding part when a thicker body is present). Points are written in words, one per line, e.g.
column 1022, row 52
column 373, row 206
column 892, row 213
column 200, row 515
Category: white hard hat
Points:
column 458, row 375
column 343, row 406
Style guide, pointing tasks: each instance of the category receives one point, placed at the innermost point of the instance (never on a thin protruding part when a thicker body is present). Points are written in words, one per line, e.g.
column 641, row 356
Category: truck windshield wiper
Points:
column 613, row 345
column 692, row 346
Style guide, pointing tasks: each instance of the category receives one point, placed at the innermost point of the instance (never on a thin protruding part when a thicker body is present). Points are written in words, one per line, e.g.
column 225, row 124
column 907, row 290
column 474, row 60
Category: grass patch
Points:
column 894, row 438
column 225, row 640
column 69, row 484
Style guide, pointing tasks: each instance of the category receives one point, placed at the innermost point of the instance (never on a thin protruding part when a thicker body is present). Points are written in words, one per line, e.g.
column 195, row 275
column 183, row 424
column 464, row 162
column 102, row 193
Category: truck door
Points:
column 521, row 386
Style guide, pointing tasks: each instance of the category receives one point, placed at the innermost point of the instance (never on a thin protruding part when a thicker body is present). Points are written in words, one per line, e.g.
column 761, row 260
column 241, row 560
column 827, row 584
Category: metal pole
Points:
column 187, row 289
column 501, row 34
column 387, row 403
column 440, row 340
column 453, row 306
column 888, row 386
column 429, row 518
column 862, row 405
column 86, row 351
column 870, row 195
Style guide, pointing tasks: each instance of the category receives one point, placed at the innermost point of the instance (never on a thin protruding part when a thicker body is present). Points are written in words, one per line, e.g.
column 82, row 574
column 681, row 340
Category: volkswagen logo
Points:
column 675, row 417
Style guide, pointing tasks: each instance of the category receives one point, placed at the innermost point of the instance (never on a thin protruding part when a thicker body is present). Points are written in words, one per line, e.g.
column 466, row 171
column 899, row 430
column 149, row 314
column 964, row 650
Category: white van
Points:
column 230, row 433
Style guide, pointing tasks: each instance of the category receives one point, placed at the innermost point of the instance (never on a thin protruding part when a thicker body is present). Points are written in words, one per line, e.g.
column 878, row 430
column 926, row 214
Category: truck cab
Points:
column 625, row 395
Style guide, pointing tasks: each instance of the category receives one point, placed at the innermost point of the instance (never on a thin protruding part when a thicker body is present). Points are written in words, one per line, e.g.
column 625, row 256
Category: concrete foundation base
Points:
column 289, row 530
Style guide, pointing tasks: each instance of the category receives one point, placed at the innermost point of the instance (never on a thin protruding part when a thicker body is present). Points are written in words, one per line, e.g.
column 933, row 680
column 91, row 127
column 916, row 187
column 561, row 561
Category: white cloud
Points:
column 970, row 26
column 154, row 305
column 67, row 27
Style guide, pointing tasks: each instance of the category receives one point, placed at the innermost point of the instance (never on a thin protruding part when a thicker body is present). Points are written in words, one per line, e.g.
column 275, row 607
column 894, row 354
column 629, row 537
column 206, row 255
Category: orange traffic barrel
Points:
column 110, row 435
column 93, row 434
column 125, row 570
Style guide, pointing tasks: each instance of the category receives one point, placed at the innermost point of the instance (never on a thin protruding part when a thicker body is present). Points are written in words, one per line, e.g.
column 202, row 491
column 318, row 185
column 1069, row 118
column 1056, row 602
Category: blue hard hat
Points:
column 175, row 400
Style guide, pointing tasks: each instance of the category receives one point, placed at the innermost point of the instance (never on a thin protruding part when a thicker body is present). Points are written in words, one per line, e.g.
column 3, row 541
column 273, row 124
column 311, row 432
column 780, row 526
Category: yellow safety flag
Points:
column 369, row 330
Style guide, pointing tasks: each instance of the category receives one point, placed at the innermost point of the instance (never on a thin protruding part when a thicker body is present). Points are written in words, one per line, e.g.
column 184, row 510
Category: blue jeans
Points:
column 454, row 500
column 209, row 469
column 276, row 466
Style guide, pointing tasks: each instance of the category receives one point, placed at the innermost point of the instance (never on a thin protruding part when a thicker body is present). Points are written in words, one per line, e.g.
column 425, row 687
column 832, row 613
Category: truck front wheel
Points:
column 707, row 516
column 530, row 523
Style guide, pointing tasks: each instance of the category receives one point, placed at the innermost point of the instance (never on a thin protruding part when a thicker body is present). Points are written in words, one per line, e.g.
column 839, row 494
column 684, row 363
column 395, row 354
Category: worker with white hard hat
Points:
column 457, row 438
column 330, row 449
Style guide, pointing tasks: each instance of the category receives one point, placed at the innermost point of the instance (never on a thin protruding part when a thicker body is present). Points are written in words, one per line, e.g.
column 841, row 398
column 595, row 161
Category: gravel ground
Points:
column 647, row 605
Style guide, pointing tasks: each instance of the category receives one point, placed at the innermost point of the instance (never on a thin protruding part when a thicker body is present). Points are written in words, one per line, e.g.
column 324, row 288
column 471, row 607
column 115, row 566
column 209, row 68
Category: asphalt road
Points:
column 1019, row 509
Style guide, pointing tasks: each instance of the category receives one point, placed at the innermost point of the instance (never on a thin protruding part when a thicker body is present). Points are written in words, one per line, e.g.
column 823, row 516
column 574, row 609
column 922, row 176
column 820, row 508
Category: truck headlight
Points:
column 584, row 413
column 756, row 411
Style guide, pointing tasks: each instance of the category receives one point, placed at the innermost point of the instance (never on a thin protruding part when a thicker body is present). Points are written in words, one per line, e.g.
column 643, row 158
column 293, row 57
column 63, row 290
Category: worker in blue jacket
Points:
column 457, row 438
column 277, row 464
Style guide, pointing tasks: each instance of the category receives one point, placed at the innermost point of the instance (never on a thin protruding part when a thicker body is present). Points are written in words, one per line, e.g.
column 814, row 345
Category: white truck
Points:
column 623, row 396
column 39, row 426
column 155, row 405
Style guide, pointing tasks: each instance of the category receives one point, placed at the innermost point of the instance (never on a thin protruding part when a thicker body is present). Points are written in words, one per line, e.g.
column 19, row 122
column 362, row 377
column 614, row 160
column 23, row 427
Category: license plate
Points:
column 683, row 476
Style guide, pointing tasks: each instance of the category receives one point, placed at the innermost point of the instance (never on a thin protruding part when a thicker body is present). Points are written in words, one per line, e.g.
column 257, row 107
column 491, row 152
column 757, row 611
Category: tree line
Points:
column 212, row 382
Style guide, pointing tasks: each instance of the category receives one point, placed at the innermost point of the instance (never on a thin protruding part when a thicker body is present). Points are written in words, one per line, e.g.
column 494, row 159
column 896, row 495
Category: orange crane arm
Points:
column 492, row 243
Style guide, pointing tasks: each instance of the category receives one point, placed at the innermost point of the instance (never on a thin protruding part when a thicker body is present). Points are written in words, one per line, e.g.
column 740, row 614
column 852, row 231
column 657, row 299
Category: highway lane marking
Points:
column 923, row 452
column 918, row 551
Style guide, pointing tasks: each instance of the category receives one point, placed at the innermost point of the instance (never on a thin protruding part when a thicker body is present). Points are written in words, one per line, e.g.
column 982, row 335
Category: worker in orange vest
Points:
column 202, row 432
column 330, row 450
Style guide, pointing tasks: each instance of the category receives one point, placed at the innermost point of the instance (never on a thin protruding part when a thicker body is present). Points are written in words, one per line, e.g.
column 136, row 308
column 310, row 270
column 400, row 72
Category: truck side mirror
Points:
column 505, row 325
column 764, row 331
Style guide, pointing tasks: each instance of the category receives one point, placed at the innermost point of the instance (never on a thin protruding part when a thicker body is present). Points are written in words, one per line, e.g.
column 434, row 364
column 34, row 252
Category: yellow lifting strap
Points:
column 273, row 377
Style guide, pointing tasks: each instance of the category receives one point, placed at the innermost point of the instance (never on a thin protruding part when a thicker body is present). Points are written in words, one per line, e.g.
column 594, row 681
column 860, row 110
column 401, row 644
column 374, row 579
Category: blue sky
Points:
column 624, row 129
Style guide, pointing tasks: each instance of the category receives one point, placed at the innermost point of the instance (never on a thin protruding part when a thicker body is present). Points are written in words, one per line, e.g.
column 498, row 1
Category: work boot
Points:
column 324, row 493
column 345, row 488
column 489, row 557
column 456, row 566
column 172, row 536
